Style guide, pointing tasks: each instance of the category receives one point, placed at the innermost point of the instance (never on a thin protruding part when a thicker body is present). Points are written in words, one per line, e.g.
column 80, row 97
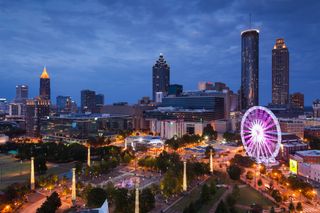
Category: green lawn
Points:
column 195, row 194
column 249, row 196
column 12, row 170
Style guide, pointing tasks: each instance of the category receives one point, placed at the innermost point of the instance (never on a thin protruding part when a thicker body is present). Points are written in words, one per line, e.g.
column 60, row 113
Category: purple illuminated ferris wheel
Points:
column 261, row 134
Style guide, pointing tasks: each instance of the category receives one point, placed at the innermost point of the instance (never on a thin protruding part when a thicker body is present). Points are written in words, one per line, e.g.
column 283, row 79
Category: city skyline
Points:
column 115, row 55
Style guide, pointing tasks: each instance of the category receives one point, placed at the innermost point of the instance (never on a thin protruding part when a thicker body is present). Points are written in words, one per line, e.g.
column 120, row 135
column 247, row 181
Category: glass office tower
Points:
column 249, row 69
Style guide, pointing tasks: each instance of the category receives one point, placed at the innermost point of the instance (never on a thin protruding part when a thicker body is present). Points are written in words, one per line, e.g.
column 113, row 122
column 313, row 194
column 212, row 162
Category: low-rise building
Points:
column 290, row 144
column 294, row 126
column 308, row 163
column 312, row 131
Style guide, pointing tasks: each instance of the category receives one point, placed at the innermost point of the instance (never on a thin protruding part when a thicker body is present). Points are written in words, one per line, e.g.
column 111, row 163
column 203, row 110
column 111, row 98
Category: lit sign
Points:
column 293, row 166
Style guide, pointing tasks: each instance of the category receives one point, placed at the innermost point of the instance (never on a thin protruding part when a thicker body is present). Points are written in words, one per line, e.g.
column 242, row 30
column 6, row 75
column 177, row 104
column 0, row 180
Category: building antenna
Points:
column 250, row 20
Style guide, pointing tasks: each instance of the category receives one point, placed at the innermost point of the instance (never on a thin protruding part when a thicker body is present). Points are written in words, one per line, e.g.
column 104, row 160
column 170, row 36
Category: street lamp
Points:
column 300, row 194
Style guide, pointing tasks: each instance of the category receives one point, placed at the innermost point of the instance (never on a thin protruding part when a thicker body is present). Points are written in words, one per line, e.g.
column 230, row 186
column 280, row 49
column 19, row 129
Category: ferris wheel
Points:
column 261, row 134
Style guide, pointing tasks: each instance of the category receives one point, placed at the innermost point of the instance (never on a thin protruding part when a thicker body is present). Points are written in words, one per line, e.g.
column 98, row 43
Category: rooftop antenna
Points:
column 250, row 20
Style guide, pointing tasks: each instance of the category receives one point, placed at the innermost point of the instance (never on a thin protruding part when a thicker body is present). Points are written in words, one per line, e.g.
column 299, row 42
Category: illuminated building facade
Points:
column 88, row 101
column 64, row 104
column 280, row 73
column 294, row 126
column 22, row 93
column 160, row 77
column 316, row 108
column 45, row 91
column 79, row 127
column 36, row 109
column 249, row 92
column 297, row 100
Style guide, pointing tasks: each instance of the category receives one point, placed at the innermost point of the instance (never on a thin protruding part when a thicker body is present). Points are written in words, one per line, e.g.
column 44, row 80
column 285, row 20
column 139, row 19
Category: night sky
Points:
column 110, row 46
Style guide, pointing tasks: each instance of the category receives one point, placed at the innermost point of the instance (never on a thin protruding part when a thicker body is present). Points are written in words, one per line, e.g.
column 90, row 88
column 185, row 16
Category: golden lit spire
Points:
column 44, row 73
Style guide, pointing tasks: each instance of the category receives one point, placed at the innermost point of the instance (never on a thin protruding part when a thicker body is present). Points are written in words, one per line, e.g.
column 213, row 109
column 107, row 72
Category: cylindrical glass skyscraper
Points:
column 249, row 69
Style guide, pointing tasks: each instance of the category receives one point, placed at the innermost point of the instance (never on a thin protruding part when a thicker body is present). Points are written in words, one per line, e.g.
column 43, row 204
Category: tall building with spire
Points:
column 160, row 77
column 249, row 92
column 45, row 91
column 280, row 73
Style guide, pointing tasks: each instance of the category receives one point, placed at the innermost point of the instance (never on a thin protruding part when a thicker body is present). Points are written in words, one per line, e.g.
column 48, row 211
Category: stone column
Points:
column 184, row 183
column 211, row 163
column 32, row 180
column 136, row 206
column 73, row 193
column 89, row 157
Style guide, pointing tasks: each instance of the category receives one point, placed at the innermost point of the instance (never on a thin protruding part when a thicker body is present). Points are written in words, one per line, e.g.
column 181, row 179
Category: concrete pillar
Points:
column 136, row 206
column 32, row 180
column 73, row 193
column 89, row 157
column 211, row 163
column 184, row 182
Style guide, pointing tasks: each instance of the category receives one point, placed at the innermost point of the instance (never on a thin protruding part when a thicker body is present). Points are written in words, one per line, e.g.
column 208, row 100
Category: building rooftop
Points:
column 177, row 109
column 309, row 153
column 249, row 30
column 44, row 74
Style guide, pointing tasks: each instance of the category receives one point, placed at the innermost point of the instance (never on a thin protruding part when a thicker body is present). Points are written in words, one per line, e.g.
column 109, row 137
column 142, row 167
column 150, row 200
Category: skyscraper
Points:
column 280, row 73
column 36, row 109
column 44, row 85
column 64, row 104
column 249, row 68
column 88, row 101
column 297, row 100
column 160, row 77
column 21, row 93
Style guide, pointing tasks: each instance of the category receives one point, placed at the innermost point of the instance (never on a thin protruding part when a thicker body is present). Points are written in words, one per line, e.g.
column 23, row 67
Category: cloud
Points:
column 111, row 46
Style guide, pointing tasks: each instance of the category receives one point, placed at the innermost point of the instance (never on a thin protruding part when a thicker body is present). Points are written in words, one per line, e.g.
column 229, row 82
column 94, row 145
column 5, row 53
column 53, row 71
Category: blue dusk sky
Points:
column 110, row 45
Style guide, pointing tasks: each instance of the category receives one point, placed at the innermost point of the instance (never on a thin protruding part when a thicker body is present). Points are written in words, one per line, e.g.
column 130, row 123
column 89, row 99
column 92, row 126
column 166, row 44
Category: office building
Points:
column 22, row 93
column 99, row 102
column 316, row 108
column 175, row 89
column 160, row 77
column 80, row 127
column 313, row 131
column 4, row 106
column 88, row 101
column 205, row 85
column 249, row 94
column 45, row 91
column 99, row 99
column 280, row 73
column 36, row 109
column 290, row 144
column 294, row 126
column 64, row 104
column 297, row 100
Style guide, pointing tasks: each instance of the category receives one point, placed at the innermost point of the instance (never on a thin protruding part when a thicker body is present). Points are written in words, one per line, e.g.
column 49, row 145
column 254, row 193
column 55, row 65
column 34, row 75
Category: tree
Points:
column 123, row 200
column 222, row 208
column 40, row 165
column 291, row 207
column 259, row 182
column 276, row 195
column 147, row 200
column 213, row 187
column 234, row 172
column 51, row 205
column 299, row 207
column 249, row 175
column 209, row 132
column 205, row 194
column 96, row 197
